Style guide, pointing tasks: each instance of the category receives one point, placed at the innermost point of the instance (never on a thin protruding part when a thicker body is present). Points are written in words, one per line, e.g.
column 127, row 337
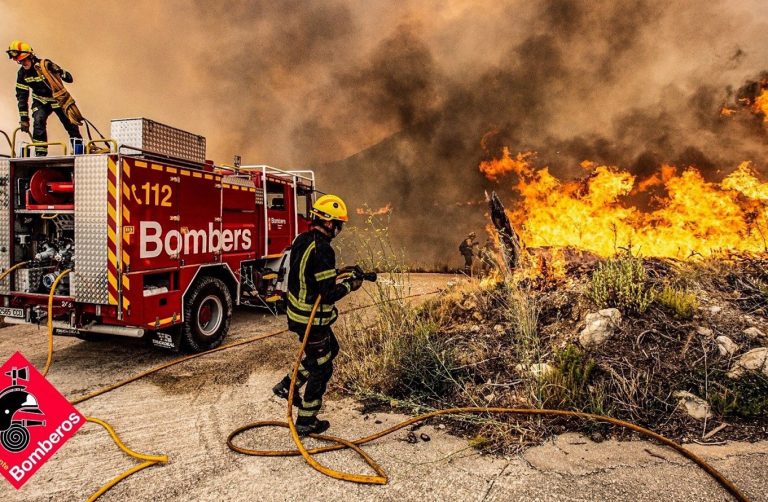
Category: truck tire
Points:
column 207, row 313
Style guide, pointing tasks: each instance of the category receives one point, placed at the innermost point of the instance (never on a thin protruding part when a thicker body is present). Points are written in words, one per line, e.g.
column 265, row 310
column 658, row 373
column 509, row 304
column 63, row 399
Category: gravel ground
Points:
column 187, row 412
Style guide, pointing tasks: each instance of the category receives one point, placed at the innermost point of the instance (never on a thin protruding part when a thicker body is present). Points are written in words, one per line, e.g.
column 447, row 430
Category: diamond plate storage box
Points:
column 159, row 138
column 91, row 229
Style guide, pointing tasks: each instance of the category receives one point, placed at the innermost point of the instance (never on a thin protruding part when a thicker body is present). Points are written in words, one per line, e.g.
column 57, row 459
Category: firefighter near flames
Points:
column 313, row 276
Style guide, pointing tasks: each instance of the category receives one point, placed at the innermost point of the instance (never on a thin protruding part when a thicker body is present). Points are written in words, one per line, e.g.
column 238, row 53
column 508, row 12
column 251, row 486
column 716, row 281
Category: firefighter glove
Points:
column 355, row 284
column 24, row 125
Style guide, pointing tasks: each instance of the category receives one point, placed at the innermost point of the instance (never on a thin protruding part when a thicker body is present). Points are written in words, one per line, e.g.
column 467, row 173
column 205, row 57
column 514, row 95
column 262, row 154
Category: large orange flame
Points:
column 495, row 169
column 595, row 214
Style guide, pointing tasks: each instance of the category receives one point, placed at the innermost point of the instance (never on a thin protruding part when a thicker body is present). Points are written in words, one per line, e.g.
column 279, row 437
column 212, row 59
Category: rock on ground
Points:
column 755, row 335
column 693, row 405
column 726, row 346
column 754, row 360
column 600, row 327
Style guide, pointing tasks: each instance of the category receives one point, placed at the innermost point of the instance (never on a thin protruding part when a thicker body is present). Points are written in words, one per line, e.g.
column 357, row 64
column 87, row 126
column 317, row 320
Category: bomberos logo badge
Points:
column 35, row 420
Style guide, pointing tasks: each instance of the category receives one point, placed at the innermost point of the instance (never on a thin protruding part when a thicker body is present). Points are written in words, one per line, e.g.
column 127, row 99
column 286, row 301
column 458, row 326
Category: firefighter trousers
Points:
column 40, row 114
column 315, row 371
column 467, row 264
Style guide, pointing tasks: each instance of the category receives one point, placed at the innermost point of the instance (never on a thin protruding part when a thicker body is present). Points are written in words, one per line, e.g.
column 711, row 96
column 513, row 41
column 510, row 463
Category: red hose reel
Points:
column 51, row 189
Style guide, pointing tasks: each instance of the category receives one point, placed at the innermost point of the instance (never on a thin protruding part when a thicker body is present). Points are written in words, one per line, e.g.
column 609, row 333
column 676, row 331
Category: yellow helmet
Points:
column 18, row 50
column 330, row 207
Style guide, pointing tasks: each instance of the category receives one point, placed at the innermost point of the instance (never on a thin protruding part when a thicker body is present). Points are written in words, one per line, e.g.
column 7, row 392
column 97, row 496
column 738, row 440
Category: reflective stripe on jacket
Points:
column 29, row 82
column 313, row 272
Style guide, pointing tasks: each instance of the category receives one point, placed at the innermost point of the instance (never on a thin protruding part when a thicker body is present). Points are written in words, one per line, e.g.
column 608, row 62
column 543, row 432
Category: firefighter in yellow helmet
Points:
column 313, row 272
column 30, row 81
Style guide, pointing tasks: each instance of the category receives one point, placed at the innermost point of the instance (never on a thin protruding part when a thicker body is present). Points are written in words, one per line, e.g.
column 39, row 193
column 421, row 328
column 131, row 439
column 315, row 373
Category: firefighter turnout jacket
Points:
column 29, row 82
column 313, row 272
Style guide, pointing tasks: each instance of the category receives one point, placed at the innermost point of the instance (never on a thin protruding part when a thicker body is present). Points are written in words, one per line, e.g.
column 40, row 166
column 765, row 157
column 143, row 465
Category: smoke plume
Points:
column 399, row 102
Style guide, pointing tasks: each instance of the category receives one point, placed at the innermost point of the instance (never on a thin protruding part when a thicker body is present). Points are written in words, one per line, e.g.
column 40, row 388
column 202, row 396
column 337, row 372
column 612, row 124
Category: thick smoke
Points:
column 399, row 102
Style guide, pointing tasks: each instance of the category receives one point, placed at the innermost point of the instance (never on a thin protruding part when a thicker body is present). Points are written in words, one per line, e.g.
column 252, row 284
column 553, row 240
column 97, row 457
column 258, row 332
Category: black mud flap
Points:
column 170, row 340
column 66, row 332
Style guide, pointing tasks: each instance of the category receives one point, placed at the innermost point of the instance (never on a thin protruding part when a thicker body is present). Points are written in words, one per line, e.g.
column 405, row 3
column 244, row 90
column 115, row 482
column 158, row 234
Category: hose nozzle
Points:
column 355, row 272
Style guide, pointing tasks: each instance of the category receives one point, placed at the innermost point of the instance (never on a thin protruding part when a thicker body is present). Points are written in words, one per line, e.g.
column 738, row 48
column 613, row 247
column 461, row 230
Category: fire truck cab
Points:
column 159, row 242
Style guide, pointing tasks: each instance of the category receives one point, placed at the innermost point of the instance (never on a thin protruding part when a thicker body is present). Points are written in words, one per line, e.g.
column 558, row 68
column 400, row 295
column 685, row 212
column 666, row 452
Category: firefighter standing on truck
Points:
column 30, row 80
column 312, row 273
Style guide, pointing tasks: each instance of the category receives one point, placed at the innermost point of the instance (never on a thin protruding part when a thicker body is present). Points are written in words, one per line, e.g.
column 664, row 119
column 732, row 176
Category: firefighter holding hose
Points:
column 313, row 272
column 33, row 78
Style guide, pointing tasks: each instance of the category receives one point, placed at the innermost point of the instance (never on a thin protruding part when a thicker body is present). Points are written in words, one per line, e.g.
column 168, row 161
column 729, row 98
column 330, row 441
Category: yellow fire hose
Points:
column 5, row 273
column 149, row 460
column 381, row 477
column 60, row 93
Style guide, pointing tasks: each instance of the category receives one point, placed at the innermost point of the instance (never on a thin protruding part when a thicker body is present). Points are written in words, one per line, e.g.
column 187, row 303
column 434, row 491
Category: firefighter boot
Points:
column 281, row 391
column 311, row 425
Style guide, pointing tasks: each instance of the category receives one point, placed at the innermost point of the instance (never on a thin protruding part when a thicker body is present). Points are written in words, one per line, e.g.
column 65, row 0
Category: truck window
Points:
column 275, row 195
column 303, row 201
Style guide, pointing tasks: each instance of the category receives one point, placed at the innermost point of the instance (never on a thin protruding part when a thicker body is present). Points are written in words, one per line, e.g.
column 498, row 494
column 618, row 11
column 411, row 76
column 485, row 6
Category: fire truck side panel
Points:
column 200, row 217
column 154, row 300
column 95, row 280
column 151, row 228
column 279, row 216
column 151, row 243
column 242, row 222
column 6, row 221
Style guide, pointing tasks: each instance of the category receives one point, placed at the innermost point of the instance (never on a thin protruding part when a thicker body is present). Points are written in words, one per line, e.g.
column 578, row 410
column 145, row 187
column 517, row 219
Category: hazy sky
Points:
column 287, row 82
column 405, row 91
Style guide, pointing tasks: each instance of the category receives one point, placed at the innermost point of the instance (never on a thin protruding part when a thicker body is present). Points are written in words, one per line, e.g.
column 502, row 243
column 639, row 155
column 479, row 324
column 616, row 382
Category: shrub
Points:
column 398, row 351
column 682, row 303
column 566, row 385
column 400, row 354
column 746, row 397
column 621, row 283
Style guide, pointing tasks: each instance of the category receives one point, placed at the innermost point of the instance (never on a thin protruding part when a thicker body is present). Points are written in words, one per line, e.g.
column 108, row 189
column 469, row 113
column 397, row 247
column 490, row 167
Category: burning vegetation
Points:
column 672, row 213
column 642, row 298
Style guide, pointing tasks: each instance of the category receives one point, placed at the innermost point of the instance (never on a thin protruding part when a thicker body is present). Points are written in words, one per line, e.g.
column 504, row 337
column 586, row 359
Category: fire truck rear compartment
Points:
column 43, row 225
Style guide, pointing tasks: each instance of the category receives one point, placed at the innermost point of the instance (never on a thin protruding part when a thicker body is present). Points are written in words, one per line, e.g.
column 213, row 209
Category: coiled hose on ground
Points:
column 381, row 478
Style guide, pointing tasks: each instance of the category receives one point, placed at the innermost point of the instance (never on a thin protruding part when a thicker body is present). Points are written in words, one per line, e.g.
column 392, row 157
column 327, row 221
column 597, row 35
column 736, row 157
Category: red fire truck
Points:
column 161, row 243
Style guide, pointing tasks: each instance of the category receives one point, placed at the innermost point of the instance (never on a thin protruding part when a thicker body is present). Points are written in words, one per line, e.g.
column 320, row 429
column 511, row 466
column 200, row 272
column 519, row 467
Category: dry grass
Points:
column 513, row 342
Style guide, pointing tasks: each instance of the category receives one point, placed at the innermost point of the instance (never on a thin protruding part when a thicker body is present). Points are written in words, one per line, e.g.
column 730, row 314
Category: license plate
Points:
column 6, row 312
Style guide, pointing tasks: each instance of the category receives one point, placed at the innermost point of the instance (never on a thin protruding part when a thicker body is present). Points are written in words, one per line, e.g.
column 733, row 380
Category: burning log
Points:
column 509, row 240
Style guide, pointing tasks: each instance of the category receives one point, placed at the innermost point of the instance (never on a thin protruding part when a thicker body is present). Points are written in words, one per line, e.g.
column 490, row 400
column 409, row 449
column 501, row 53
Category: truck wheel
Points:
column 207, row 312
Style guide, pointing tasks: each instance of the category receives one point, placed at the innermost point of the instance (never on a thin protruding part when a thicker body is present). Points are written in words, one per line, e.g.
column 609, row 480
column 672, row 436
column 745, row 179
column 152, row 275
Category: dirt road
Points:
column 187, row 412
